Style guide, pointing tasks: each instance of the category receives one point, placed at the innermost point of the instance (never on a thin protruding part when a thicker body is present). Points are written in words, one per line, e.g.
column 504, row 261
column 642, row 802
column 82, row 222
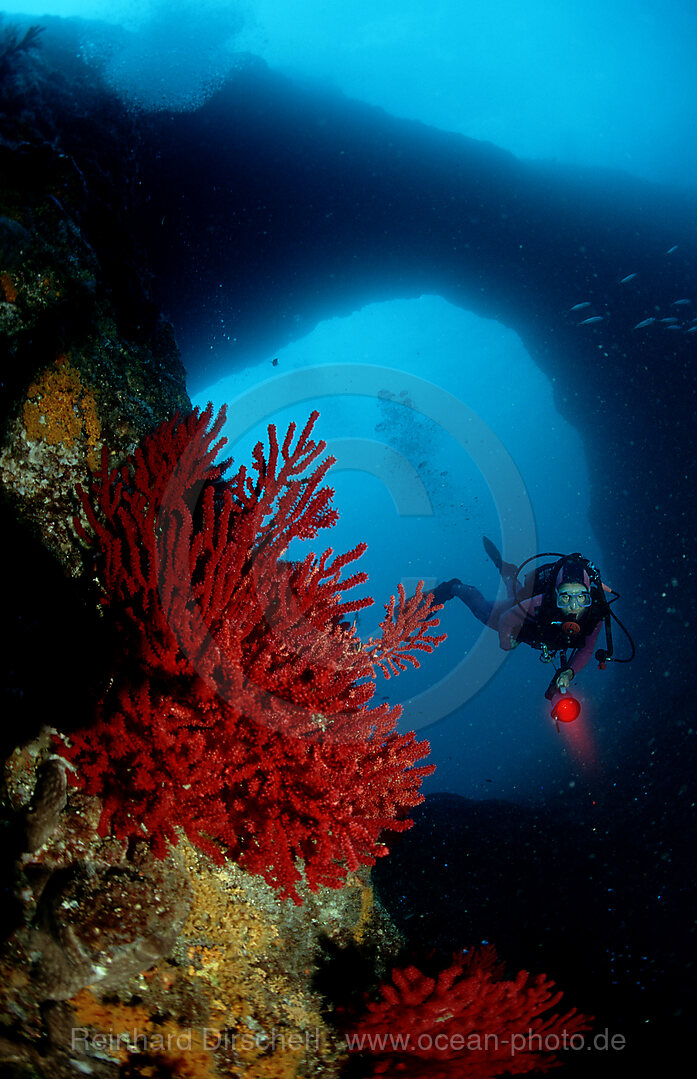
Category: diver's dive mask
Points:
column 565, row 599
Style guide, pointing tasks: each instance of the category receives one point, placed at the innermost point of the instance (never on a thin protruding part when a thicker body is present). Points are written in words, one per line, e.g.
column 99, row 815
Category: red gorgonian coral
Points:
column 238, row 711
column 467, row 1022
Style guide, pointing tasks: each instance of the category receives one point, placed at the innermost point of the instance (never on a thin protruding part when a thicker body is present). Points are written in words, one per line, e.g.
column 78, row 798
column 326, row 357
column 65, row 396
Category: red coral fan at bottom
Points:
column 467, row 1022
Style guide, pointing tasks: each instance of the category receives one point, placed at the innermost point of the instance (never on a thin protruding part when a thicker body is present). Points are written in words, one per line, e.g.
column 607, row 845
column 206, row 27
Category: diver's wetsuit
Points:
column 525, row 622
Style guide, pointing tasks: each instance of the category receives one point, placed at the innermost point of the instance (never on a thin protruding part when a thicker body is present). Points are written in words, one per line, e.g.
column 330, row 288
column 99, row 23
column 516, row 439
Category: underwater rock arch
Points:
column 303, row 205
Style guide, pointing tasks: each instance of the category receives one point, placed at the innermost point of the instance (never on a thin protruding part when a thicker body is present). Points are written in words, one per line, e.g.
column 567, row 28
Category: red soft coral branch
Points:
column 404, row 631
column 281, row 504
column 467, row 1020
column 141, row 518
column 240, row 709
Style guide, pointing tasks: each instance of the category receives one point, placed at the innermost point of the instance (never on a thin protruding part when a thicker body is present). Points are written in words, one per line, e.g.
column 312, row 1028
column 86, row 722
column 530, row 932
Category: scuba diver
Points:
column 559, row 609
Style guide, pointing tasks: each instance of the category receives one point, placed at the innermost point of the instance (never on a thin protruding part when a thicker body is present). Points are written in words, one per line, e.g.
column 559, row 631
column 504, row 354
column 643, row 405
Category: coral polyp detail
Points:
column 239, row 707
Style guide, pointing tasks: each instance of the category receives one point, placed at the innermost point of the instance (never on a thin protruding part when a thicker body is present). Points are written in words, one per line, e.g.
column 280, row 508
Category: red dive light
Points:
column 566, row 710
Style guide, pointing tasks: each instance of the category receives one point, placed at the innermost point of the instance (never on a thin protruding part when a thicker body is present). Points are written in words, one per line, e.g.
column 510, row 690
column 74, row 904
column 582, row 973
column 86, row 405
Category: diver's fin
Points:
column 506, row 569
column 446, row 590
column 493, row 552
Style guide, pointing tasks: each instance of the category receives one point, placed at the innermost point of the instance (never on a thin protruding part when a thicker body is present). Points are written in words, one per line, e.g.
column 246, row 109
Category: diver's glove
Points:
column 564, row 679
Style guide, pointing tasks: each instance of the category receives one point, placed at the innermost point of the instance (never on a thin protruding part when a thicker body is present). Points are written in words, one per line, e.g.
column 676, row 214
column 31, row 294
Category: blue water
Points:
column 444, row 427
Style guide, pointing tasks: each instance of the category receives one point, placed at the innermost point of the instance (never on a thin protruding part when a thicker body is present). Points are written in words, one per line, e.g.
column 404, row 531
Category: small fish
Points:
column 692, row 329
column 671, row 318
column 590, row 321
column 644, row 322
column 674, row 326
column 580, row 306
column 672, row 249
column 680, row 303
column 629, row 277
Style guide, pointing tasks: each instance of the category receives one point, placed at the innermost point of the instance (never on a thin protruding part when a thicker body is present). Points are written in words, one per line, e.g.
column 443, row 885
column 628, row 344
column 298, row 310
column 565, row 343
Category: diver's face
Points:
column 573, row 599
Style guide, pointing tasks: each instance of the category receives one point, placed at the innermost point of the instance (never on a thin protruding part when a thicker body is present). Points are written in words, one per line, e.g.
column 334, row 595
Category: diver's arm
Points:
column 509, row 628
column 564, row 678
column 584, row 654
column 511, row 621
